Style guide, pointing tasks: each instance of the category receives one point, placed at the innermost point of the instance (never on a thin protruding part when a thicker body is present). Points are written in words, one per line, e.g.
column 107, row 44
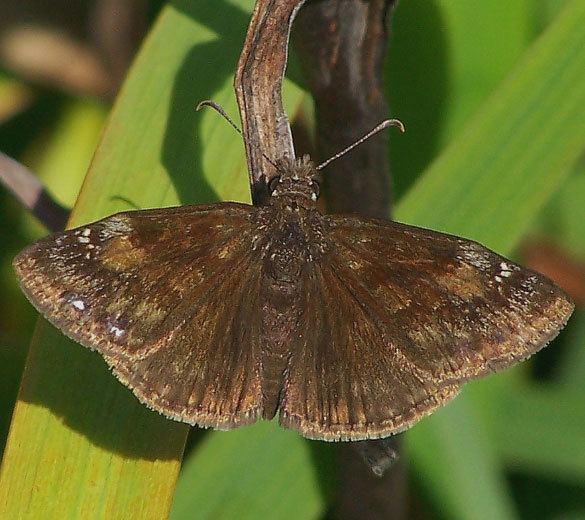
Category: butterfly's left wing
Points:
column 397, row 318
column 170, row 298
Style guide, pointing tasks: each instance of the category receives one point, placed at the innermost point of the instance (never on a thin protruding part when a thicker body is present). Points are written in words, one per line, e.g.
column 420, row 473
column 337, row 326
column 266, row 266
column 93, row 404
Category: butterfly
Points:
column 347, row 328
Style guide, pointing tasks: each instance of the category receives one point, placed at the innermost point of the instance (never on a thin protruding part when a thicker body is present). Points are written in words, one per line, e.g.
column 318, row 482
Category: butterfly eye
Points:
column 316, row 188
column 273, row 183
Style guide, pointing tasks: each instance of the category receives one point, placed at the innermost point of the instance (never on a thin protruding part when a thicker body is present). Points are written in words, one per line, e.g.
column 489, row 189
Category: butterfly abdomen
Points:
column 280, row 325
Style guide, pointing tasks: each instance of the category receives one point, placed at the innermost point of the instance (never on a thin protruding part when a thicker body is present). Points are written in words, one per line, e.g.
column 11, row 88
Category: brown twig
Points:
column 341, row 45
column 28, row 189
column 258, row 85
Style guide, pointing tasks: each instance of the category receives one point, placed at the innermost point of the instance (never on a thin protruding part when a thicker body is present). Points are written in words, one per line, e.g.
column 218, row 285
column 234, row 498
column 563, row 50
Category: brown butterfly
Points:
column 349, row 328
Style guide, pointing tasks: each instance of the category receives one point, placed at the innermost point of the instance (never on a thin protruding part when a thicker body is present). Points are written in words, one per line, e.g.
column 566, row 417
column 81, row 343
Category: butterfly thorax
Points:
column 290, row 227
column 291, row 236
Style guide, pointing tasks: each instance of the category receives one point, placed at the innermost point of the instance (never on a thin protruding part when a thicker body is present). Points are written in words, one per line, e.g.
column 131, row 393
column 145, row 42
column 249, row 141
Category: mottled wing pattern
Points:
column 397, row 318
column 169, row 298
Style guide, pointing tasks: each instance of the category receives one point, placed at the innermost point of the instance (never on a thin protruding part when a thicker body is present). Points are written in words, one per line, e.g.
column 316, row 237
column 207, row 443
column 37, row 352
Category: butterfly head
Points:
column 296, row 177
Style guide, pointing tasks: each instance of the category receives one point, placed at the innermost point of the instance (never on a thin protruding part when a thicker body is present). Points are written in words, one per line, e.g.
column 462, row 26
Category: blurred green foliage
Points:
column 512, row 446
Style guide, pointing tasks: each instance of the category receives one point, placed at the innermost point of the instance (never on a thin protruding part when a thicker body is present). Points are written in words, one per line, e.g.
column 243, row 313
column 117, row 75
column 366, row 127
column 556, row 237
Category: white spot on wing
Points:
column 474, row 255
column 529, row 285
column 74, row 300
column 78, row 304
column 116, row 331
column 505, row 270
column 117, row 225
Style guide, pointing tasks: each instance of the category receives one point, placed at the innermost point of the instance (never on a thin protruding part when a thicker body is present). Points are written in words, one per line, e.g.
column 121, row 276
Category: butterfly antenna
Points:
column 222, row 112
column 383, row 125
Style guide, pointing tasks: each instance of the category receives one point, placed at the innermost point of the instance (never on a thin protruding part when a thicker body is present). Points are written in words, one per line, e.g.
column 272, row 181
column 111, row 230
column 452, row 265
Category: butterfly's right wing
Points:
column 170, row 298
column 397, row 318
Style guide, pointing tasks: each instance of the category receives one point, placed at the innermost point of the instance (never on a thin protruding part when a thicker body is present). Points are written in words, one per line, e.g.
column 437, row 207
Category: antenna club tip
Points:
column 202, row 104
column 395, row 122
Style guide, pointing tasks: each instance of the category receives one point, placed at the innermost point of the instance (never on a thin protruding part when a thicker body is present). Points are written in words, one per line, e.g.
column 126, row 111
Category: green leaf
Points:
column 541, row 431
column 66, row 156
column 446, row 57
column 491, row 182
column 254, row 472
column 489, row 185
column 571, row 372
column 478, row 59
column 454, row 459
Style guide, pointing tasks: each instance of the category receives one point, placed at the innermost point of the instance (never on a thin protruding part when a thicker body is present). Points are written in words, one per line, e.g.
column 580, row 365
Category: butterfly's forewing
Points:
column 398, row 318
column 169, row 298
